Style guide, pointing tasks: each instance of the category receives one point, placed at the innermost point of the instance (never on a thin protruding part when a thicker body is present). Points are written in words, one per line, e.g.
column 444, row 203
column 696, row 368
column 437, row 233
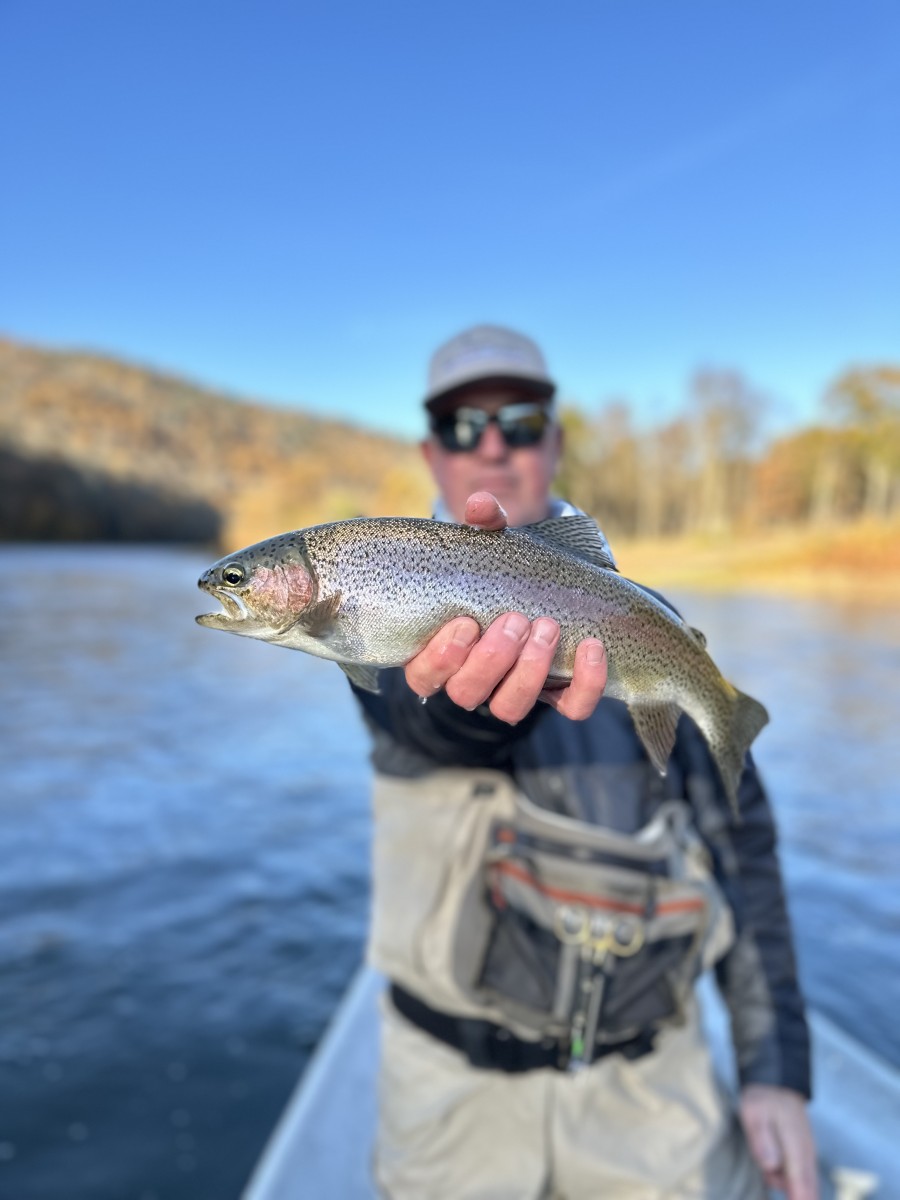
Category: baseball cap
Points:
column 486, row 353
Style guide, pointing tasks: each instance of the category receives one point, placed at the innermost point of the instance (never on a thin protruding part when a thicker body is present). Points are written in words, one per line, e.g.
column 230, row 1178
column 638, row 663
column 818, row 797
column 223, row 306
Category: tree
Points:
column 866, row 401
column 725, row 415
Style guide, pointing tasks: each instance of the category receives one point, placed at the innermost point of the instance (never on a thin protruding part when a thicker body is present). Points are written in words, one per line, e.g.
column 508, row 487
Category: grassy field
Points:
column 861, row 559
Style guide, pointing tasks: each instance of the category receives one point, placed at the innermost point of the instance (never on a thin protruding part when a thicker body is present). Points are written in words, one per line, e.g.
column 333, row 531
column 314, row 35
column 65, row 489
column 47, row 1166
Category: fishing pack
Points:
column 489, row 907
column 598, row 935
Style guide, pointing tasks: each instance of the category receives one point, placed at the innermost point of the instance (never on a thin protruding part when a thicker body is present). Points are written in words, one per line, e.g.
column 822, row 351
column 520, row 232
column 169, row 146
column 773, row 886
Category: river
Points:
column 184, row 840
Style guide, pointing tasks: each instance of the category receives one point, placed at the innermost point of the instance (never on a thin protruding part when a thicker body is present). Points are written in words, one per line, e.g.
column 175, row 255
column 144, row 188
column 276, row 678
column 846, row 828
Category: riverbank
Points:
column 860, row 560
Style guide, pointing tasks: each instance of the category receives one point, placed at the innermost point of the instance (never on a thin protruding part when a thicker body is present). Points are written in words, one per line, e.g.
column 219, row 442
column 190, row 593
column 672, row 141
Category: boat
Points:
column 322, row 1145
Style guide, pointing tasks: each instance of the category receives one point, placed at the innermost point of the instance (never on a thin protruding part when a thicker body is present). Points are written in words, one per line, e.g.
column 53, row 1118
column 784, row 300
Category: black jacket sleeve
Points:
column 411, row 737
column 758, row 976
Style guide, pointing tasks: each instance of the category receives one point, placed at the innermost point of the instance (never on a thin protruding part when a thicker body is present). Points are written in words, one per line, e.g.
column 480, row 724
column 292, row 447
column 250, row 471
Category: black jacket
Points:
column 597, row 770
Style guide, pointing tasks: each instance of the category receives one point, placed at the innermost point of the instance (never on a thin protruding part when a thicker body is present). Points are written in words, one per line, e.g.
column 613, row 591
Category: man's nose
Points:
column 492, row 446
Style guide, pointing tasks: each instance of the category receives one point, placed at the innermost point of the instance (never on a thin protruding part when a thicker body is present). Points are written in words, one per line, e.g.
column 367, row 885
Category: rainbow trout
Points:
column 370, row 592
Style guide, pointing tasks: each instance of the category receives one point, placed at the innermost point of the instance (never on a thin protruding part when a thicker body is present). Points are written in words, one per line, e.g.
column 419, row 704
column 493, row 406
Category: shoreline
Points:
column 859, row 562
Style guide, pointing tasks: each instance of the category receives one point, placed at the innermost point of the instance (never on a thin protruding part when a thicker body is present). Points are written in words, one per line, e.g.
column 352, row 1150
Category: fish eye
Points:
column 233, row 574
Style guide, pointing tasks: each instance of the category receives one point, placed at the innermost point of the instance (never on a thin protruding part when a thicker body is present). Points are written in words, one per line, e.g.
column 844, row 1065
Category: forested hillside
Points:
column 95, row 448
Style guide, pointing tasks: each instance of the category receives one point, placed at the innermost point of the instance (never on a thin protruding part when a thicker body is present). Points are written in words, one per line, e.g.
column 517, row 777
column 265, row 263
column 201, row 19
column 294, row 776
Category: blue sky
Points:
column 297, row 201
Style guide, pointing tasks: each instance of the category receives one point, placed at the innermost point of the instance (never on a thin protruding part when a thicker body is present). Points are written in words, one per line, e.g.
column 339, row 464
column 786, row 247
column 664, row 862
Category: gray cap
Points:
column 485, row 353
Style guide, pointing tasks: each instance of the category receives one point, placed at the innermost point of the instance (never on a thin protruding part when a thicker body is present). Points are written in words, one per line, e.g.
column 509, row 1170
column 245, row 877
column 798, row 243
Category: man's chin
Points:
column 520, row 513
column 508, row 496
column 520, row 510
column 508, row 501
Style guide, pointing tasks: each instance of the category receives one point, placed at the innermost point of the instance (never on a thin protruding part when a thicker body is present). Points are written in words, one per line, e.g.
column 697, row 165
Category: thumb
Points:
column 484, row 510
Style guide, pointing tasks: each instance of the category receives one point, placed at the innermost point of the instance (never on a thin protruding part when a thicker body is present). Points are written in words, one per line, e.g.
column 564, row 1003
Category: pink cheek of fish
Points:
column 282, row 589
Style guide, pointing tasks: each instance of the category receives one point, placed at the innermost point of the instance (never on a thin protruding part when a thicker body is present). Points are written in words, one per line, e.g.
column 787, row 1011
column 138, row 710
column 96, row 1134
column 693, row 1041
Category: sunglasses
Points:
column 520, row 425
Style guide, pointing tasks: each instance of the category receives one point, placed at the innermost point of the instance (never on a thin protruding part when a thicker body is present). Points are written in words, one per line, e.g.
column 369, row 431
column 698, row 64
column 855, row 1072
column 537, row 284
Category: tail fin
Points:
column 748, row 717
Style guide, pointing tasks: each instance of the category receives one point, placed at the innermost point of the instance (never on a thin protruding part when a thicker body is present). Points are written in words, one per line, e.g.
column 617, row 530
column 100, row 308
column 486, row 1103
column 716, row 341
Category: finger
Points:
column 485, row 510
column 580, row 698
column 781, row 1140
column 489, row 660
column 518, row 692
column 442, row 657
column 764, row 1145
column 800, row 1187
column 799, row 1173
column 803, row 1185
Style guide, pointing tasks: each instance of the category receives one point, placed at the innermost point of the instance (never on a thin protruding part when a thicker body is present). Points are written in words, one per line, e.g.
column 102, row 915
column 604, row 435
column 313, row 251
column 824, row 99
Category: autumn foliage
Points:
column 86, row 433
column 94, row 448
column 710, row 469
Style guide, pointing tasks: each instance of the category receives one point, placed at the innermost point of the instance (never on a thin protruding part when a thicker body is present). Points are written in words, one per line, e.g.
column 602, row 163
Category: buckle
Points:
column 574, row 1057
column 564, row 1060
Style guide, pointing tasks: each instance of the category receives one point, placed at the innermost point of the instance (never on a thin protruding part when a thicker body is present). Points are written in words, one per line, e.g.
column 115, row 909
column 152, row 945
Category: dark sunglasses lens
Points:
column 525, row 428
column 460, row 430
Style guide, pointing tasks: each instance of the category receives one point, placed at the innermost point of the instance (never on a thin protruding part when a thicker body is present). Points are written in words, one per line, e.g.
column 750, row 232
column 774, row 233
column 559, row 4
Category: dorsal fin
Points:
column 578, row 534
column 699, row 635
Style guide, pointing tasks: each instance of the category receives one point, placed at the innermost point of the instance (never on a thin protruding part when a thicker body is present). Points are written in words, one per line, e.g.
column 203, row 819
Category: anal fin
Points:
column 361, row 675
column 656, row 725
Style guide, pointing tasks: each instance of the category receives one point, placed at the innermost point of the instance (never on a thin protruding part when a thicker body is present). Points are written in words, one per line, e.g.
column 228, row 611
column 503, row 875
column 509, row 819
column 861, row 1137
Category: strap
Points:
column 492, row 1047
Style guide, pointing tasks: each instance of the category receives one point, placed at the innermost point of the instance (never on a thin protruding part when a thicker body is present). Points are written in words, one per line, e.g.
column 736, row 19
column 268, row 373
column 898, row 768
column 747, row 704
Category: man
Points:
column 477, row 1101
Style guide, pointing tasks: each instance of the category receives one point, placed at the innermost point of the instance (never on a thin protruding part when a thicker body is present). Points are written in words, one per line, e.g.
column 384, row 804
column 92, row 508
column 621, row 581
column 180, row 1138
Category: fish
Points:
column 369, row 592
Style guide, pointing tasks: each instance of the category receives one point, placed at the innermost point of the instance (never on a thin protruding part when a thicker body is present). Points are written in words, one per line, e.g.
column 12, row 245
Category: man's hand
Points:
column 509, row 664
column 781, row 1139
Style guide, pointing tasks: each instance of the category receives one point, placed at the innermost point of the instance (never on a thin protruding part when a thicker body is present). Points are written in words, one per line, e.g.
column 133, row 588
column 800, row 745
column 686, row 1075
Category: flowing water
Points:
column 184, row 847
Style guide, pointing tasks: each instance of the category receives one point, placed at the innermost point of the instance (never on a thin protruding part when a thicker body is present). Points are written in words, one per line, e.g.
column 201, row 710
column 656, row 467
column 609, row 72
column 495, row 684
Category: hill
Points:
column 92, row 448
column 95, row 448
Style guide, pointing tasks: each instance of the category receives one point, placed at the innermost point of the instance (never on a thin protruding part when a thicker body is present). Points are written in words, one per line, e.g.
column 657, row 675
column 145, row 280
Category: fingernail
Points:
column 545, row 632
column 516, row 626
column 595, row 654
column 465, row 635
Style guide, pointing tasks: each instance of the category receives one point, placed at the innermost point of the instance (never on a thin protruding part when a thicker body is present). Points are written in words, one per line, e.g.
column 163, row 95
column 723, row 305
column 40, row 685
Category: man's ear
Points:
column 558, row 441
column 426, row 446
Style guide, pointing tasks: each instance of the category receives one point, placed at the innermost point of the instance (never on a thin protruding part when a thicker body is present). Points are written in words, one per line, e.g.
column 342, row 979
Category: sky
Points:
column 296, row 202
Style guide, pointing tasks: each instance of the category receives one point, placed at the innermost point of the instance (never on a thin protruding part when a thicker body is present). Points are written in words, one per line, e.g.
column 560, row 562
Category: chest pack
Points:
column 486, row 906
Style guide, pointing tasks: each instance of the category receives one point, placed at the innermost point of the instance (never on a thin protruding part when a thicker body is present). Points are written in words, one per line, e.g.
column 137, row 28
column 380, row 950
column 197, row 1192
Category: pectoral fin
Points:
column 656, row 725
column 362, row 675
column 318, row 618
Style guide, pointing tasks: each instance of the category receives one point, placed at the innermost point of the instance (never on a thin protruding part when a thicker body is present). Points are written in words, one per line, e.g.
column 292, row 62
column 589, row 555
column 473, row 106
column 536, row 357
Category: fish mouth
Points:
column 235, row 610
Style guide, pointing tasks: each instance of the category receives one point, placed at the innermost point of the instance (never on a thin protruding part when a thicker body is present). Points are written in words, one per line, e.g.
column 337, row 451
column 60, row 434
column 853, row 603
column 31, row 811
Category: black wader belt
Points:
column 492, row 1047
